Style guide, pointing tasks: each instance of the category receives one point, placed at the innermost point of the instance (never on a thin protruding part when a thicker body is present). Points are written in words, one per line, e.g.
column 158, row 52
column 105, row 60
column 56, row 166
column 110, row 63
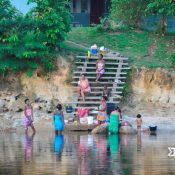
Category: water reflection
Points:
column 28, row 147
column 85, row 154
column 139, row 141
column 58, row 146
column 114, row 146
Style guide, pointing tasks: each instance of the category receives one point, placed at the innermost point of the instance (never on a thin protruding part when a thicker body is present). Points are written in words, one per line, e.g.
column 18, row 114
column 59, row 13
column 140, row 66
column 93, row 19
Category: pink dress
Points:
column 100, row 68
column 28, row 118
column 85, row 87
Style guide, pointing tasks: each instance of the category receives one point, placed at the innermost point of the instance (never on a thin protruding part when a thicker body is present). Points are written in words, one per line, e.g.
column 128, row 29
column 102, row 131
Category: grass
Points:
column 143, row 48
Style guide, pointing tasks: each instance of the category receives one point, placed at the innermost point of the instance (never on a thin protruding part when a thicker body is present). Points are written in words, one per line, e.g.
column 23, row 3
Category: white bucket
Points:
column 90, row 120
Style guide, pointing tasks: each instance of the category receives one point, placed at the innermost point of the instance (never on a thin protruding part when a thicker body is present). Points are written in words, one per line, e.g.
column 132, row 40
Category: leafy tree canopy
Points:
column 28, row 42
column 131, row 11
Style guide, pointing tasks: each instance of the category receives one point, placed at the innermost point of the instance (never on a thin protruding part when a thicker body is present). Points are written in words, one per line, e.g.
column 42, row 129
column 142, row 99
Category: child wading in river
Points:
column 139, row 121
column 28, row 119
column 58, row 120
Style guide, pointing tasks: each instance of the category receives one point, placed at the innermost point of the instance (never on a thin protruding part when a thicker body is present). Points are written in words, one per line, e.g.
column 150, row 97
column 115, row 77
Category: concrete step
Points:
column 89, row 102
column 88, row 107
column 105, row 58
column 99, row 97
column 106, row 73
column 106, row 63
column 114, row 68
column 101, row 83
column 102, row 78
column 101, row 88
column 99, row 93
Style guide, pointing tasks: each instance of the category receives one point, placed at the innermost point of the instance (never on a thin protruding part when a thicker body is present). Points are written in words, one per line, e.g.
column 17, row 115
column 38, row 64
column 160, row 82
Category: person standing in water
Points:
column 114, row 121
column 139, row 121
column 28, row 120
column 100, row 67
column 101, row 116
column 58, row 120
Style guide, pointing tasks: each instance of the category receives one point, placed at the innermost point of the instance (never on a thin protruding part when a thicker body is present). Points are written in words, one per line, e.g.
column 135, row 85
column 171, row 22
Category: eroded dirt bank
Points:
column 153, row 95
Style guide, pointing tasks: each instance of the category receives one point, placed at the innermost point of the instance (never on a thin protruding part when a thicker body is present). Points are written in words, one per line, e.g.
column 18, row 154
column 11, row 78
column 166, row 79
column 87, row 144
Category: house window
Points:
column 84, row 6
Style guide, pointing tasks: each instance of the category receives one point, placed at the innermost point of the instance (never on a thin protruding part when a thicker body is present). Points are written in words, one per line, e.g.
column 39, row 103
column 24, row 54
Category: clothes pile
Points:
column 83, row 114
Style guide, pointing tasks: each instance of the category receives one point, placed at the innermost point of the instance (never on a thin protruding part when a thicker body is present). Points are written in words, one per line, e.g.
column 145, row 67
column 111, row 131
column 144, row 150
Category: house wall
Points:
column 79, row 16
column 151, row 22
column 77, row 5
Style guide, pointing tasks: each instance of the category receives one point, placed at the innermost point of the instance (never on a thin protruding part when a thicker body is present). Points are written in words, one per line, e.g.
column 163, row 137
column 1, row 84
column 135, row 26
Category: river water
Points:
column 85, row 154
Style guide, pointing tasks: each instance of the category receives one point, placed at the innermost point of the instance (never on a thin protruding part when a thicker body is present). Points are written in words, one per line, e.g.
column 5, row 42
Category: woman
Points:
column 28, row 119
column 100, row 67
column 58, row 119
column 101, row 117
column 114, row 121
column 84, row 87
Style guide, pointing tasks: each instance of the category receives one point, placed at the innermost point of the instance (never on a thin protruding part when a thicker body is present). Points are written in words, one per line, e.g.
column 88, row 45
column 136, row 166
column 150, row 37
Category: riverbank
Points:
column 148, row 91
column 151, row 93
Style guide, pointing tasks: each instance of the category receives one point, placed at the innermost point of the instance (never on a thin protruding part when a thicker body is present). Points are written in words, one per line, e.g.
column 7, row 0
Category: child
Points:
column 106, row 92
column 139, row 121
column 101, row 117
column 58, row 119
column 28, row 120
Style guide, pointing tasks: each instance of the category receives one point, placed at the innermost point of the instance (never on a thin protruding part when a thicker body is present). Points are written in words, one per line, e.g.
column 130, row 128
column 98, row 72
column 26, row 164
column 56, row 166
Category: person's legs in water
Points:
column 56, row 132
column 33, row 128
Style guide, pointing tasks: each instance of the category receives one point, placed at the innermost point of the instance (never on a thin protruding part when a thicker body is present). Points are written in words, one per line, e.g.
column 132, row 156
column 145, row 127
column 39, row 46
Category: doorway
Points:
column 97, row 11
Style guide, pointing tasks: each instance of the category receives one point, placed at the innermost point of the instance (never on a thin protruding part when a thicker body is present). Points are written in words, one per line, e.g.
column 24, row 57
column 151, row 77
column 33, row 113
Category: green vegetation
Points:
column 143, row 48
column 131, row 11
column 173, row 58
column 164, row 8
column 30, row 41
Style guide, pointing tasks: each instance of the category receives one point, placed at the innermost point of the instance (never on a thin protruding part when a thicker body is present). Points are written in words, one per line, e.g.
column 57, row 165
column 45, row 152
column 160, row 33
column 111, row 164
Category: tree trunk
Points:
column 162, row 25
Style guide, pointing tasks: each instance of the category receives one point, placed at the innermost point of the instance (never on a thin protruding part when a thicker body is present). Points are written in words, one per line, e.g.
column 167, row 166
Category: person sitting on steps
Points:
column 106, row 92
column 83, row 87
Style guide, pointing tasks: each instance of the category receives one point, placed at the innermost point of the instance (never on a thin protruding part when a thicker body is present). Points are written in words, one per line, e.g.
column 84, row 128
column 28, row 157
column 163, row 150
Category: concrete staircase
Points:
column 116, row 68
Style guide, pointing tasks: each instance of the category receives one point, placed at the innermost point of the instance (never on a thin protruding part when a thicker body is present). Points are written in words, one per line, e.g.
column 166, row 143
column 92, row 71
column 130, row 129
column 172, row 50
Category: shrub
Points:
column 29, row 42
column 173, row 58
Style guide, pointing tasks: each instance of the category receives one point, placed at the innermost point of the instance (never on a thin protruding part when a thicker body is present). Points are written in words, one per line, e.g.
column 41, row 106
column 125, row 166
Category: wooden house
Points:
column 86, row 12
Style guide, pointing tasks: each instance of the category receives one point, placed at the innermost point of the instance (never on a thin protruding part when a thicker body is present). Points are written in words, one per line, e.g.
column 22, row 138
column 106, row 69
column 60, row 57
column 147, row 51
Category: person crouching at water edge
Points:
column 101, row 117
column 28, row 119
column 58, row 120
column 83, row 86
column 115, row 117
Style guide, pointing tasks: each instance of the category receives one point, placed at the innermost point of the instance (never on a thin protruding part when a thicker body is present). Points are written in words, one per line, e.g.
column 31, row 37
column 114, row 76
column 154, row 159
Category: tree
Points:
column 28, row 42
column 7, row 10
column 129, row 11
column 164, row 8
column 53, row 19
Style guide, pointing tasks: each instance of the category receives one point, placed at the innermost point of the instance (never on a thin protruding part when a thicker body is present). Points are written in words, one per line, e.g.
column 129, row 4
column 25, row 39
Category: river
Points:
column 85, row 154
